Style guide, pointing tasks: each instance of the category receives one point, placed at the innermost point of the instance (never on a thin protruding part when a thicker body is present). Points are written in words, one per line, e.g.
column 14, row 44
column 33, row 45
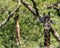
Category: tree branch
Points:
column 55, row 34
column 35, row 7
column 54, row 5
column 10, row 15
column 53, row 31
column 29, row 7
column 34, row 10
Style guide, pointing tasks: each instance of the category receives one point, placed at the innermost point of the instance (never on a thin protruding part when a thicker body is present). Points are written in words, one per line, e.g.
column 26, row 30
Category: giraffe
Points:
column 47, row 26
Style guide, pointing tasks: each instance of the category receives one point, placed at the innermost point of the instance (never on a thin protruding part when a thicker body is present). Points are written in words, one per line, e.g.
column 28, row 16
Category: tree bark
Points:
column 17, row 31
column 55, row 34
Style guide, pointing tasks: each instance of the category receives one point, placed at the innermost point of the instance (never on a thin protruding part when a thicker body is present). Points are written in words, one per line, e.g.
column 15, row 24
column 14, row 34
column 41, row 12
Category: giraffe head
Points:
column 46, row 17
column 46, row 21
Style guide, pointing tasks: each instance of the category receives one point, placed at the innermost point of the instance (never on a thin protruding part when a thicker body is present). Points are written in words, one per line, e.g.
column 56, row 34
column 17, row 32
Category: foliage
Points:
column 32, row 34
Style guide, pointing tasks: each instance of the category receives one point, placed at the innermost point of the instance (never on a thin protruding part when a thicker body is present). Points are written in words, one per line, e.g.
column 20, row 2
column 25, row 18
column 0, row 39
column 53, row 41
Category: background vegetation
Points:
column 32, row 34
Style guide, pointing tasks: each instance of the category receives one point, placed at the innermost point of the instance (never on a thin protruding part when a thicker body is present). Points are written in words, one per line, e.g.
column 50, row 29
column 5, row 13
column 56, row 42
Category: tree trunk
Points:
column 17, row 31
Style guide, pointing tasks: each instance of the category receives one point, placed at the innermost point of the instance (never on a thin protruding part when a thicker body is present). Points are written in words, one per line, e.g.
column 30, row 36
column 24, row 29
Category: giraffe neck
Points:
column 46, row 33
column 46, row 38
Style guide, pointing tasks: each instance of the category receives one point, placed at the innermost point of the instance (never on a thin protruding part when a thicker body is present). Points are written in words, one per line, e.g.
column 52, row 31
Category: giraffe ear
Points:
column 48, row 13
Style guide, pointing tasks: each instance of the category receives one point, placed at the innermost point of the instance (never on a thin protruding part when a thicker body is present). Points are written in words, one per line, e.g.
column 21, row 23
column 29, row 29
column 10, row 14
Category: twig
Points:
column 10, row 15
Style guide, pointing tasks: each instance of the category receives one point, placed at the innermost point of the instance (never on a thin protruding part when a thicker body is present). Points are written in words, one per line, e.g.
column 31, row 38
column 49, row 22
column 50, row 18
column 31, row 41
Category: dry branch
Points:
column 55, row 34
column 10, row 15
column 34, row 10
column 35, row 7
column 53, row 6
column 29, row 7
